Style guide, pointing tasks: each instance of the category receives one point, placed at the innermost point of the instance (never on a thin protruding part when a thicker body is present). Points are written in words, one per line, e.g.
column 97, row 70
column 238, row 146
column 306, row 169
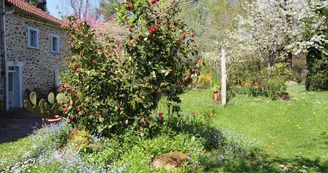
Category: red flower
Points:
column 192, row 113
column 153, row 29
column 72, row 90
column 160, row 114
column 118, row 74
column 78, row 70
column 140, row 37
column 94, row 61
column 132, row 42
column 131, row 30
column 181, row 82
column 199, row 62
column 179, row 115
column 154, row 1
column 70, row 119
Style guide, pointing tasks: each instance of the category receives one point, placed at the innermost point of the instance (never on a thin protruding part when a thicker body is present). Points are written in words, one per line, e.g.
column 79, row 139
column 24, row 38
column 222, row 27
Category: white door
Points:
column 11, row 89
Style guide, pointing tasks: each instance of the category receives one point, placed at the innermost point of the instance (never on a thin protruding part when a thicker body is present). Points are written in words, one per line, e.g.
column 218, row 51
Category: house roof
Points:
column 34, row 10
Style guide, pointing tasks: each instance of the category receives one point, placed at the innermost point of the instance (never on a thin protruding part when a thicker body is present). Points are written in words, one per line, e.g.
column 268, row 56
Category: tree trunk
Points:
column 224, row 77
column 290, row 61
column 269, row 65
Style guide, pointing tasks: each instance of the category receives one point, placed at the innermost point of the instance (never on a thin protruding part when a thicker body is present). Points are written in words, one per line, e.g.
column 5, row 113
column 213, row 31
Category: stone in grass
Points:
column 284, row 96
column 170, row 161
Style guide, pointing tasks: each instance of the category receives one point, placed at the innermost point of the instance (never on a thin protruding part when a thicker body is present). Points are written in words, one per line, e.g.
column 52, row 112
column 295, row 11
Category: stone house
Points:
column 33, row 48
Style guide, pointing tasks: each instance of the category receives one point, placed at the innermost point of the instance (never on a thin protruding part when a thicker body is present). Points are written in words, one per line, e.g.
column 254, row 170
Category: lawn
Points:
column 285, row 130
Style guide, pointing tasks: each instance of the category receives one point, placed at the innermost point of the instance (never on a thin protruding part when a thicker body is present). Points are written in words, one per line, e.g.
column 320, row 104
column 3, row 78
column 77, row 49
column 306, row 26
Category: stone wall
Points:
column 39, row 64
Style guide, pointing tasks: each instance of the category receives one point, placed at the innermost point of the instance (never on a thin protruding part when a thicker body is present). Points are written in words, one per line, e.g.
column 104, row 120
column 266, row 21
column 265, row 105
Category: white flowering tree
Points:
column 276, row 28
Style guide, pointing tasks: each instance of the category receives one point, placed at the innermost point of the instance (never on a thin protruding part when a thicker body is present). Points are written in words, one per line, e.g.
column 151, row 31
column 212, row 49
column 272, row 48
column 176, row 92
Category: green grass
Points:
column 285, row 130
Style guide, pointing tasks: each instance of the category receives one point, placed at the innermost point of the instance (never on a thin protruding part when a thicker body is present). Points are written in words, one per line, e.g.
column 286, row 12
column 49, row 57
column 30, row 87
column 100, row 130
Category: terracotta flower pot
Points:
column 50, row 121
column 217, row 96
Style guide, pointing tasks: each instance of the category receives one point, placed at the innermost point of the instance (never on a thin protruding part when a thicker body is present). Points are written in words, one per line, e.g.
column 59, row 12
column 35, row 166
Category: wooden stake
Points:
column 224, row 77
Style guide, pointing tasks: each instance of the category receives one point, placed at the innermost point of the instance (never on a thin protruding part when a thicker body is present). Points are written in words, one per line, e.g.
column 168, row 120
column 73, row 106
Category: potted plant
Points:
column 216, row 92
column 48, row 110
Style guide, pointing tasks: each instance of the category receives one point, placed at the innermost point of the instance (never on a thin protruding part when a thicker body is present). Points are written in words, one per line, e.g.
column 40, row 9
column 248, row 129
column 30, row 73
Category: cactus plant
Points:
column 46, row 109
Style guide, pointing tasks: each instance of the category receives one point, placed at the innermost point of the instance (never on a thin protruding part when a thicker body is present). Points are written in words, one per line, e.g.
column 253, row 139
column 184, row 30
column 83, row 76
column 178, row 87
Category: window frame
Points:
column 29, row 28
column 51, row 44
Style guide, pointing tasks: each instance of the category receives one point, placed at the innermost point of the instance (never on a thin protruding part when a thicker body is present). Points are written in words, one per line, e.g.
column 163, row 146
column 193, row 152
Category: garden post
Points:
column 224, row 77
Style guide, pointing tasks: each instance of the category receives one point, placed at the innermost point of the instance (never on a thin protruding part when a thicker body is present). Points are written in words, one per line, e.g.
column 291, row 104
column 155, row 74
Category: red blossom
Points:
column 154, row 1
column 181, row 82
column 178, row 115
column 140, row 37
column 78, row 70
column 160, row 114
column 131, row 30
column 192, row 113
column 72, row 90
column 199, row 62
column 132, row 42
column 153, row 29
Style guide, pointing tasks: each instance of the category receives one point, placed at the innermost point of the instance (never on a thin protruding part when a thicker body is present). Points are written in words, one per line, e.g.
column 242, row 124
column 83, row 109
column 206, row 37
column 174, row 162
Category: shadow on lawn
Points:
column 226, row 155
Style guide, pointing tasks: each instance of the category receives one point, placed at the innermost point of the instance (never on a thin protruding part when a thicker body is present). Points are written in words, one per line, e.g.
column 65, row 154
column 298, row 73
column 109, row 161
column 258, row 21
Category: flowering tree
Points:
column 277, row 27
column 161, row 46
column 107, row 92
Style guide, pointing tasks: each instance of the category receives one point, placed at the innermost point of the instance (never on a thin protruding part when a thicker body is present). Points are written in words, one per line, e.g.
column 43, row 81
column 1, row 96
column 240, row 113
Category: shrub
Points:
column 266, row 87
column 317, row 77
column 106, row 92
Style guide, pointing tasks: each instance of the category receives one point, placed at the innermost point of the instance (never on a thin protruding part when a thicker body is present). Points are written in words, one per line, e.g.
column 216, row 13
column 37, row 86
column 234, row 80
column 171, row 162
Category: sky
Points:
column 54, row 5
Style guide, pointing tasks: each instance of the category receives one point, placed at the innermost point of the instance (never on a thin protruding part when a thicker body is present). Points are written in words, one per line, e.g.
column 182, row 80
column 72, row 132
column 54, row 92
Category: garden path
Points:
column 16, row 124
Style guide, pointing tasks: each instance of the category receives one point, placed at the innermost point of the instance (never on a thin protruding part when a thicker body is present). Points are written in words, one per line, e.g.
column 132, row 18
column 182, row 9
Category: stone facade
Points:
column 38, row 71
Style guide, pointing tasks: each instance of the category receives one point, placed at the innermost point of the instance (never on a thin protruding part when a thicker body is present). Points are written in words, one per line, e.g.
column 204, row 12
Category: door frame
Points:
column 18, row 82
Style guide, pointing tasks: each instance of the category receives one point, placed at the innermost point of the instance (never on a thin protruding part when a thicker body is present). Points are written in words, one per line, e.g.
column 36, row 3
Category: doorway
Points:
column 14, row 85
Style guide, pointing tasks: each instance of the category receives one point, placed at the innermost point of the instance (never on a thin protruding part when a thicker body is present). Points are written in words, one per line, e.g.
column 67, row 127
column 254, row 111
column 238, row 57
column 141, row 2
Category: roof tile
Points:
column 34, row 10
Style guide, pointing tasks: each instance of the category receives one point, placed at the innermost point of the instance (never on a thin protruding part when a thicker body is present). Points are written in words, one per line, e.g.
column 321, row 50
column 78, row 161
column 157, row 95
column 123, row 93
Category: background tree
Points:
column 42, row 4
column 108, row 8
column 212, row 20
column 83, row 10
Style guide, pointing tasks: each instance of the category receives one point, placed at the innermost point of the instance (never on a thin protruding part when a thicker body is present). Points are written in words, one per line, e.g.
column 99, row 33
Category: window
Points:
column 33, row 37
column 54, row 43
